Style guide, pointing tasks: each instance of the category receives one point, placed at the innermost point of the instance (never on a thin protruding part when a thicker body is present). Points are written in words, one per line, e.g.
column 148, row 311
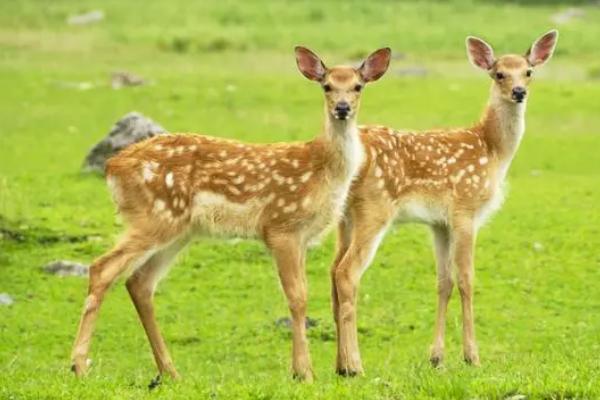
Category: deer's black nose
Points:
column 342, row 109
column 519, row 93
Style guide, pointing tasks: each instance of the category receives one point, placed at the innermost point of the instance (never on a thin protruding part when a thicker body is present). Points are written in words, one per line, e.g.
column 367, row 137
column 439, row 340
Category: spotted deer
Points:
column 450, row 180
column 172, row 187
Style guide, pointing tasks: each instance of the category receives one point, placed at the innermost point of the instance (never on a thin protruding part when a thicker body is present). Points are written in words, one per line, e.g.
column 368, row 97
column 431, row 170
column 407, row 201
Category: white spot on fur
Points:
column 159, row 206
column 306, row 176
column 483, row 160
column 290, row 208
column 233, row 190
column 169, row 180
column 306, row 202
column 238, row 180
column 147, row 172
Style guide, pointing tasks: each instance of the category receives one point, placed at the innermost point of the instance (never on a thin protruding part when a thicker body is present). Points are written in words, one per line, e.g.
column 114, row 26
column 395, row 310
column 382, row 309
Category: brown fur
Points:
column 450, row 180
column 172, row 187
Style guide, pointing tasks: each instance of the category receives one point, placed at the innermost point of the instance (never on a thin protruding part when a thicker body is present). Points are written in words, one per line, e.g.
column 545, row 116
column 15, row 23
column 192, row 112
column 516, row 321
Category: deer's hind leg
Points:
column 367, row 232
column 141, row 287
column 463, row 237
column 441, row 240
column 131, row 252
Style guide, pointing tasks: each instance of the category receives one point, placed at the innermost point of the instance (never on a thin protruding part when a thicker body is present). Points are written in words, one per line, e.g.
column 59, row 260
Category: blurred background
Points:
column 70, row 69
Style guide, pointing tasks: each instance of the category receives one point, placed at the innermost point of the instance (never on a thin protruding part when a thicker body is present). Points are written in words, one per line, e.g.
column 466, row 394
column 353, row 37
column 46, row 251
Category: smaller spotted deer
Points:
column 450, row 180
column 172, row 187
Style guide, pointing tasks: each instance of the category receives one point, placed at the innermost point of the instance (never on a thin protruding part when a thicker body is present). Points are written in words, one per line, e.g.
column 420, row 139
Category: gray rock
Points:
column 5, row 299
column 66, row 268
column 287, row 322
column 121, row 79
column 132, row 128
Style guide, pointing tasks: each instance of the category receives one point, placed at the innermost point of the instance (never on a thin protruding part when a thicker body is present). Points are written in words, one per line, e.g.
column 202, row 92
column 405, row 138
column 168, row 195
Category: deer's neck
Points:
column 344, row 148
column 503, row 126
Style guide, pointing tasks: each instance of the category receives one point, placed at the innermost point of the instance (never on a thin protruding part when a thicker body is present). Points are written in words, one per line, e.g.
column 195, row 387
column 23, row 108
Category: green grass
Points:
column 227, row 68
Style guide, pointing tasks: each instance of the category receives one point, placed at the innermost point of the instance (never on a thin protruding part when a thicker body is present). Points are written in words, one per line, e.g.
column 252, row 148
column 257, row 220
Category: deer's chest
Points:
column 491, row 204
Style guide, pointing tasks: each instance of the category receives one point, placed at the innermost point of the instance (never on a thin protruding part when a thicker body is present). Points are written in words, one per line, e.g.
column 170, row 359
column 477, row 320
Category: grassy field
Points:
column 227, row 68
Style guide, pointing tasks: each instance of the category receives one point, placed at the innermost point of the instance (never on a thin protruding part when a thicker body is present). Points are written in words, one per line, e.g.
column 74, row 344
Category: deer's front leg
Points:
column 464, row 239
column 289, row 256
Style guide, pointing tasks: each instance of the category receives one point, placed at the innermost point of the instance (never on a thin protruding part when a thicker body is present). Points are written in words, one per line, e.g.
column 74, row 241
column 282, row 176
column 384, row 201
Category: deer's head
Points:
column 342, row 84
column 511, row 73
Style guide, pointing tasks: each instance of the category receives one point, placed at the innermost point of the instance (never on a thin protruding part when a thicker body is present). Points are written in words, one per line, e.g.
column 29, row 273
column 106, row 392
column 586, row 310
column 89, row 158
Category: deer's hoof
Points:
column 154, row 383
column 472, row 360
column 80, row 368
column 349, row 372
column 436, row 361
column 305, row 377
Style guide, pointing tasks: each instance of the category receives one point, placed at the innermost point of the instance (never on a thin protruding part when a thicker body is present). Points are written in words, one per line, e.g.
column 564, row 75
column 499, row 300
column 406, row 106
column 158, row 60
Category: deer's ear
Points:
column 375, row 65
column 480, row 53
column 542, row 49
column 310, row 64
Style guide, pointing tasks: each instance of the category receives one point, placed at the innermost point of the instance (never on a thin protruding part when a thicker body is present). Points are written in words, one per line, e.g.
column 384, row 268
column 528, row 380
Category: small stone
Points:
column 6, row 299
column 86, row 18
column 287, row 322
column 66, row 268
column 123, row 78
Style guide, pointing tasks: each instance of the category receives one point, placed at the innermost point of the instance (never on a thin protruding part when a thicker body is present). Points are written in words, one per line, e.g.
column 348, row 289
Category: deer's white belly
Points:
column 213, row 214
column 421, row 211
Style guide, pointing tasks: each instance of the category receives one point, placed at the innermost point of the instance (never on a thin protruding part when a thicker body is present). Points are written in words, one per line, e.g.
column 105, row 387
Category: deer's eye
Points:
column 529, row 73
column 499, row 76
column 327, row 88
column 358, row 88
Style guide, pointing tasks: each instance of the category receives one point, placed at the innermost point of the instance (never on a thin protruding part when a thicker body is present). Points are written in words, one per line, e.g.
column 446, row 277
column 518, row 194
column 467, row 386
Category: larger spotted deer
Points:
column 450, row 180
column 173, row 187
